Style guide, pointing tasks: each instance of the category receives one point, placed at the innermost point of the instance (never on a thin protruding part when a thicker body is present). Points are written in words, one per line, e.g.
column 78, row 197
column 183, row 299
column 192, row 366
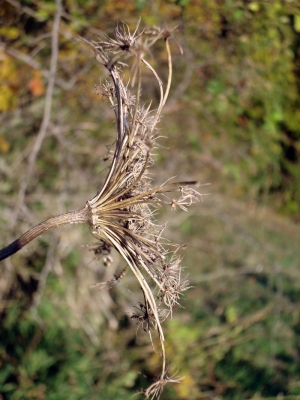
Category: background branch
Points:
column 47, row 112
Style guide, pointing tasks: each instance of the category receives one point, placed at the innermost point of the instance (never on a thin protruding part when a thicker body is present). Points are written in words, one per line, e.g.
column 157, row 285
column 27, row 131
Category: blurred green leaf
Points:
column 297, row 22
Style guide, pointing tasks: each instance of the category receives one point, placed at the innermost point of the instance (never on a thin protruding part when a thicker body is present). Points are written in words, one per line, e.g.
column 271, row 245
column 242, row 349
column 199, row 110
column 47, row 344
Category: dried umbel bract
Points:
column 121, row 215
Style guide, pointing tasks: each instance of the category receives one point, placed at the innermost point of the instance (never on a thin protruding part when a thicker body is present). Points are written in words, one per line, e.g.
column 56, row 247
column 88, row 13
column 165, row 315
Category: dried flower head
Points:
column 123, row 40
column 155, row 390
column 121, row 214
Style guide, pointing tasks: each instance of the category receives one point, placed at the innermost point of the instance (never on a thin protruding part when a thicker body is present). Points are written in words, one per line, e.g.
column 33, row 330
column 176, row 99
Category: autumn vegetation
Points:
column 231, row 121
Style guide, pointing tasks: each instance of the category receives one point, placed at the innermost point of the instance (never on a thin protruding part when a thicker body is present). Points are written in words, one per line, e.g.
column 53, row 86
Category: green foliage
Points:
column 247, row 86
column 52, row 361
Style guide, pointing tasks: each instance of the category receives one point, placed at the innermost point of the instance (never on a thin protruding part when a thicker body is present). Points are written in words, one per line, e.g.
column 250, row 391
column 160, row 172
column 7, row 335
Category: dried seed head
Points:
column 155, row 390
column 106, row 89
column 123, row 40
column 121, row 215
column 123, row 210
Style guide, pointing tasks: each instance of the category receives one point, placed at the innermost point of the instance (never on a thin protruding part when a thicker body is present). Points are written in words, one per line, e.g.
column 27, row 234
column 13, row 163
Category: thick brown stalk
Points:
column 82, row 216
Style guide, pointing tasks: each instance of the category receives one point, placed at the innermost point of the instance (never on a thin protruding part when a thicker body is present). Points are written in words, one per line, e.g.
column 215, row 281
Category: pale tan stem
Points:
column 169, row 75
column 82, row 216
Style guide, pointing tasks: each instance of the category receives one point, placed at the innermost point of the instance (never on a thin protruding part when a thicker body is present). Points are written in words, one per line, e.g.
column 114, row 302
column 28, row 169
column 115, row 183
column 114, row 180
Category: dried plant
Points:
column 121, row 215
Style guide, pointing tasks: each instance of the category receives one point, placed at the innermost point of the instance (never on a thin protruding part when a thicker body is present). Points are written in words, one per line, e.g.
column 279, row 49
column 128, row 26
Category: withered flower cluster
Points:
column 121, row 215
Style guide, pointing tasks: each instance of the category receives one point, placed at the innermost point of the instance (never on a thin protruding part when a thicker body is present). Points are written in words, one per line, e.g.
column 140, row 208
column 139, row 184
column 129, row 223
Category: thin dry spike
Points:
column 138, row 93
column 140, row 198
column 126, row 190
column 120, row 115
column 144, row 285
column 158, row 112
column 106, row 182
column 119, row 181
column 136, row 29
column 111, row 283
column 170, row 73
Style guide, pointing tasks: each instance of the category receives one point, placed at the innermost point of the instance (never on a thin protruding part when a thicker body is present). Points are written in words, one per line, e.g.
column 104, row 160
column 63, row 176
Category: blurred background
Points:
column 233, row 121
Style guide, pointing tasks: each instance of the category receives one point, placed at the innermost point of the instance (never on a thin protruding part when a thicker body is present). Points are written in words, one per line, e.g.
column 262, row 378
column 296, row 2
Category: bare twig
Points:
column 29, row 60
column 47, row 111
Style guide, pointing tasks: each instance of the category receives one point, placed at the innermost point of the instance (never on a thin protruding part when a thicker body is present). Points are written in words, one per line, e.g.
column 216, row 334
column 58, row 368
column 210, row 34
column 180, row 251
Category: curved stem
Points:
column 170, row 73
column 82, row 216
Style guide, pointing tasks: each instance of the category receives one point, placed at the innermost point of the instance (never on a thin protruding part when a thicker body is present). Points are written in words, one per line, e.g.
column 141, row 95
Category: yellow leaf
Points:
column 186, row 387
column 231, row 314
column 297, row 22
column 4, row 145
column 7, row 98
column 254, row 6
column 9, row 31
column 9, row 82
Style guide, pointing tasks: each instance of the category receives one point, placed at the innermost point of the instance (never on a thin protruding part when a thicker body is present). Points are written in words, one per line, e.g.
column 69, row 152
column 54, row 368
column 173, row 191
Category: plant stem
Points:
column 82, row 216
